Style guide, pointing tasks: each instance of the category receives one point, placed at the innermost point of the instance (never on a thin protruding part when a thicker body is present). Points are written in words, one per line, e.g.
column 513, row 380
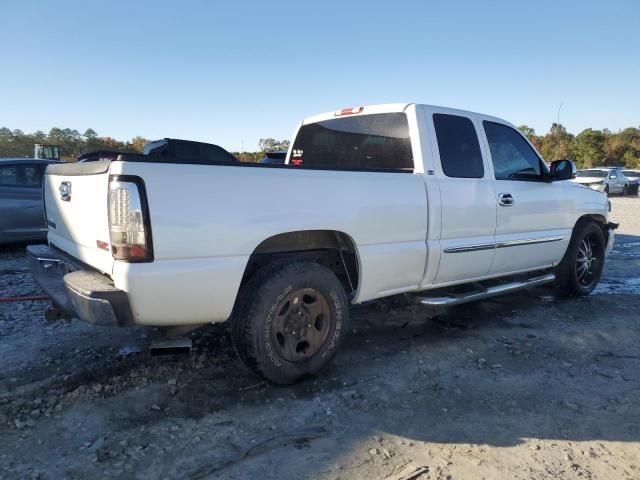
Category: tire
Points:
column 579, row 271
column 606, row 190
column 290, row 320
column 625, row 190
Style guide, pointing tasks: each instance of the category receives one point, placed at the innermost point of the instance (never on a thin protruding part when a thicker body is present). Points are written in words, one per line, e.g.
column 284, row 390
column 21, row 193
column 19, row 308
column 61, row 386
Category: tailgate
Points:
column 75, row 197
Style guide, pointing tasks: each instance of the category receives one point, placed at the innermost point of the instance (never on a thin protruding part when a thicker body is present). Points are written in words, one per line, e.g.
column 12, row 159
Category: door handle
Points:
column 506, row 200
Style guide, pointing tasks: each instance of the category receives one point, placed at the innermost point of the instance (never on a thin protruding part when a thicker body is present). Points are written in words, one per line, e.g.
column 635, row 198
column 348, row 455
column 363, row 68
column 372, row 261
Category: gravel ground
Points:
column 626, row 212
column 525, row 386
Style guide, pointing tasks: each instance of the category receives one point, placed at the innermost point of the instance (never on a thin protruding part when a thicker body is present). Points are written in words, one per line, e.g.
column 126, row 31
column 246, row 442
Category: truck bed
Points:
column 206, row 221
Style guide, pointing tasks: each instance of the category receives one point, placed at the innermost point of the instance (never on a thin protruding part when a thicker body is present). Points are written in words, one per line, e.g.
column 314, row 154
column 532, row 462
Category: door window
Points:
column 21, row 176
column 458, row 145
column 513, row 158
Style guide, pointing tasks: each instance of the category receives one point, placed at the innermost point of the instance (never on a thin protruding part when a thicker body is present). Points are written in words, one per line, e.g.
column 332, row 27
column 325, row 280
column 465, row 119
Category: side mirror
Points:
column 562, row 170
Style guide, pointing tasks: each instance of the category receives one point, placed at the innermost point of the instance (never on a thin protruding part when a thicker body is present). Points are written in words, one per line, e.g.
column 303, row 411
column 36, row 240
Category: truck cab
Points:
column 492, row 207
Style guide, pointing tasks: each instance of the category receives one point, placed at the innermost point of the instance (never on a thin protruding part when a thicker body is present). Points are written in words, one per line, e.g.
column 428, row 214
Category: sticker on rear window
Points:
column 296, row 157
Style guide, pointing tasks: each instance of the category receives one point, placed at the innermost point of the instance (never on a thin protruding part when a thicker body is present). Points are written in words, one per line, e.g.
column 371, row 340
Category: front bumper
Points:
column 77, row 290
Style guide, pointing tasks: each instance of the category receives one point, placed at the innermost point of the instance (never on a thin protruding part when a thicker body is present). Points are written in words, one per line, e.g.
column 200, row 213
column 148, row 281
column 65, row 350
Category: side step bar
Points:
column 472, row 296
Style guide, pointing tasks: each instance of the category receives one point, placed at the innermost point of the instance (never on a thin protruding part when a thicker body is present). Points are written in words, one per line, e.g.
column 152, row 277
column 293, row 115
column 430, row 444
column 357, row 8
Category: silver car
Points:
column 21, row 206
column 608, row 180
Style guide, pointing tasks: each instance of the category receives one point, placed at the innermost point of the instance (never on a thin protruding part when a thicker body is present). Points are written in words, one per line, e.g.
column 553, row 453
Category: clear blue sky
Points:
column 233, row 72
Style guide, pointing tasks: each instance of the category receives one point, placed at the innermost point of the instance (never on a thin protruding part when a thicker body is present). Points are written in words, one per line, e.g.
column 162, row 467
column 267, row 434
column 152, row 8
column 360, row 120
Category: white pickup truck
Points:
column 371, row 202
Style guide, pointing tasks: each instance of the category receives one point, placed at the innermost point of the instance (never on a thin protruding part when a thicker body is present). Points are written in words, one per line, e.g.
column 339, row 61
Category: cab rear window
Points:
column 364, row 142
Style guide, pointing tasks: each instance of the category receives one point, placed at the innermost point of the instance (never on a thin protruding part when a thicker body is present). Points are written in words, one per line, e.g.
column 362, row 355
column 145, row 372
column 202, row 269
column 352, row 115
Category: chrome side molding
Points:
column 505, row 244
column 529, row 241
column 470, row 248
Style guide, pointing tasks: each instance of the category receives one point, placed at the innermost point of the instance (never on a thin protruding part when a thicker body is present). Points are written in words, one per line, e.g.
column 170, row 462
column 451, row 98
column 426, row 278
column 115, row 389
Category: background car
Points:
column 634, row 180
column 607, row 180
column 276, row 157
column 21, row 206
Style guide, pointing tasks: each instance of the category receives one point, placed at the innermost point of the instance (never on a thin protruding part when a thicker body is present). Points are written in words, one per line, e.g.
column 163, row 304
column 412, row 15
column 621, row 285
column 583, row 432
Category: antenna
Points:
column 559, row 108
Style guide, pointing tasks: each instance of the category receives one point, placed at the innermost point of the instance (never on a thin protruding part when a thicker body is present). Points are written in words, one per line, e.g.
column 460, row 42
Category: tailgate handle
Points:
column 65, row 191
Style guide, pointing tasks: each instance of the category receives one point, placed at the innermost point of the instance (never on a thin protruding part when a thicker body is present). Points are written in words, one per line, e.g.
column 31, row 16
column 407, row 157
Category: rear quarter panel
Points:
column 207, row 220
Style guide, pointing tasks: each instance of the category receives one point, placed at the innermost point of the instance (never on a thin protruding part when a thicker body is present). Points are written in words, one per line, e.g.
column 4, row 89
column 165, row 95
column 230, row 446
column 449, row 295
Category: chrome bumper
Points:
column 77, row 290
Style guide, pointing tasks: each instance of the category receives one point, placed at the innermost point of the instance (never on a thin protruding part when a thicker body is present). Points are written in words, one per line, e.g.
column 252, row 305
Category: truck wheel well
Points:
column 594, row 217
column 330, row 248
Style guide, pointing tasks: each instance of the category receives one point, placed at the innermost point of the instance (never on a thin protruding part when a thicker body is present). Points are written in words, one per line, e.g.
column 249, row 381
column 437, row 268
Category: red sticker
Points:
column 102, row 245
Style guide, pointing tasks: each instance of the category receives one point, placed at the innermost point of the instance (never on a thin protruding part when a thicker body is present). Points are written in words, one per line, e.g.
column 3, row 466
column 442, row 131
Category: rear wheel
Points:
column 579, row 271
column 290, row 321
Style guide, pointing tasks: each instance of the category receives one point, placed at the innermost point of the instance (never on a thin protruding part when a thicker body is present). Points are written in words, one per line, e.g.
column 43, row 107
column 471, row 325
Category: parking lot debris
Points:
column 409, row 472
column 260, row 446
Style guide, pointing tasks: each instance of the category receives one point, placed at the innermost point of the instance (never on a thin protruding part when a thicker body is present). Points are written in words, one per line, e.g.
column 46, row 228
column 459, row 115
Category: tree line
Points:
column 590, row 148
column 16, row 143
column 264, row 145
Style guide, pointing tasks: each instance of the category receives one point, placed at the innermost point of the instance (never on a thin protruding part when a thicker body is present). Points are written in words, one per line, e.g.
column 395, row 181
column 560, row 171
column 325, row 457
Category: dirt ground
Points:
column 520, row 387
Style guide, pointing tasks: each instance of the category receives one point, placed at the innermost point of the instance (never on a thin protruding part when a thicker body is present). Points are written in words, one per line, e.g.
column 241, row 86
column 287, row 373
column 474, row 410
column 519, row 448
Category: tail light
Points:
column 129, row 228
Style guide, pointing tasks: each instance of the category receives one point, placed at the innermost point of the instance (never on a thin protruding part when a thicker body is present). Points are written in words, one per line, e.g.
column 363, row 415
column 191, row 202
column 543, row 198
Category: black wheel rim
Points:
column 301, row 324
column 588, row 261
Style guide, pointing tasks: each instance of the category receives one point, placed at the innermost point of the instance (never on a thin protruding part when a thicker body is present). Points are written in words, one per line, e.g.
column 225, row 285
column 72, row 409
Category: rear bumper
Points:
column 78, row 290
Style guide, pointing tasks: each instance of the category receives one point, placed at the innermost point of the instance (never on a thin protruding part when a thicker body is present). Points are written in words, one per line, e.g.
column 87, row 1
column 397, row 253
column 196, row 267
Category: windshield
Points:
column 592, row 173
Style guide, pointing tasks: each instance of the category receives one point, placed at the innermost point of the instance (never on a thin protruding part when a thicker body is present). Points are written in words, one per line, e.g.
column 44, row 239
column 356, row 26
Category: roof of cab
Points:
column 366, row 109
column 396, row 107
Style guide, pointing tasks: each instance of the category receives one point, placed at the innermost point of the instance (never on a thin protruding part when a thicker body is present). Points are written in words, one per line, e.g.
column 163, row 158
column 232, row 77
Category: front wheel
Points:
column 290, row 321
column 625, row 190
column 581, row 267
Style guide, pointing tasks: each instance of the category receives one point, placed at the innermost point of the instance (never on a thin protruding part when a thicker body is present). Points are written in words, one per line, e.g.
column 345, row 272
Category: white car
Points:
column 606, row 180
column 372, row 201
